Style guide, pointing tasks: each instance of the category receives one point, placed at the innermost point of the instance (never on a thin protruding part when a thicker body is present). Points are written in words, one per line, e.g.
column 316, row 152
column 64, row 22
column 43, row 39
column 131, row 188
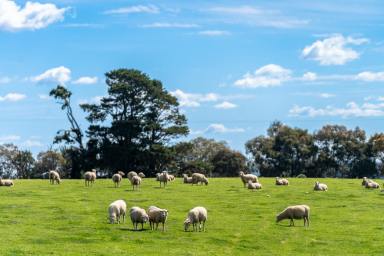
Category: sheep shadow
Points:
column 133, row 230
column 289, row 226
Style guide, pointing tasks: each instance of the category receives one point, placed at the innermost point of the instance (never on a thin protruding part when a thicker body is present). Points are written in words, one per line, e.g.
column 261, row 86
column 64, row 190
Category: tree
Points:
column 131, row 126
column 23, row 162
column 228, row 163
column 74, row 135
column 50, row 160
column 7, row 154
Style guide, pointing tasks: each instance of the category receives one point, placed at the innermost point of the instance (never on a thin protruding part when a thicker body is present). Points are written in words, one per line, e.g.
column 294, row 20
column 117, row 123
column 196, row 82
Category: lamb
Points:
column 7, row 183
column 281, row 182
column 196, row 215
column 54, row 177
column 372, row 184
column 163, row 178
column 131, row 174
column 135, row 181
column 156, row 216
column 251, row 185
column 186, row 179
column 117, row 210
column 198, row 177
column 138, row 215
column 116, row 178
column 141, row 175
column 320, row 186
column 294, row 212
column 246, row 177
column 90, row 177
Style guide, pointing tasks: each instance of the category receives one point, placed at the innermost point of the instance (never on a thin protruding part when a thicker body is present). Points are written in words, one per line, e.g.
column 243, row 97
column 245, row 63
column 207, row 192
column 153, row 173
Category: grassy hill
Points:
column 37, row 218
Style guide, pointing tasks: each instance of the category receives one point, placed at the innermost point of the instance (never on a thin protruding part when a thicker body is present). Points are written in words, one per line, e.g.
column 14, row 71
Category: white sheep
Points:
column 141, row 175
column 158, row 176
column 54, row 176
column 117, row 210
column 248, row 177
column 156, row 216
column 251, row 185
column 90, row 177
column 7, row 183
column 197, row 215
column 199, row 178
column 131, row 174
column 163, row 178
column 372, row 184
column 135, row 182
column 320, row 186
column 294, row 212
column 171, row 177
column 281, row 182
column 365, row 181
column 186, row 179
column 138, row 215
column 121, row 173
column 117, row 178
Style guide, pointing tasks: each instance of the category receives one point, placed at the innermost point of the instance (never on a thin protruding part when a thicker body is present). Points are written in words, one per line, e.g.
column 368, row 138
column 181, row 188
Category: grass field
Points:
column 37, row 218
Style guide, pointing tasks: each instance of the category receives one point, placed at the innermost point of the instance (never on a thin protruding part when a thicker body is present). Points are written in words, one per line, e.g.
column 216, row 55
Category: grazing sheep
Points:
column 117, row 210
column 90, row 177
column 294, row 212
column 135, row 181
column 7, row 183
column 186, row 179
column 163, row 178
column 131, row 174
column 171, row 177
column 117, row 178
column 246, row 177
column 281, row 182
column 196, row 215
column 156, row 216
column 54, row 177
column 251, row 185
column 121, row 173
column 320, row 186
column 199, row 178
column 138, row 215
column 141, row 175
column 372, row 184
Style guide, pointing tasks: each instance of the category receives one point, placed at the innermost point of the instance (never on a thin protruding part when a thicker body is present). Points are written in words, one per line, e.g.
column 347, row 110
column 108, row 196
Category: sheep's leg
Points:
column 142, row 225
column 203, row 225
column 157, row 225
column 163, row 227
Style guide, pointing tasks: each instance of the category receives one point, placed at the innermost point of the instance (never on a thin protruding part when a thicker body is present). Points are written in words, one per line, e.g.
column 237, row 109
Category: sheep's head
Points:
column 112, row 218
column 121, row 173
column 206, row 181
column 241, row 173
column 187, row 222
column 164, row 213
column 145, row 218
column 58, row 180
column 278, row 218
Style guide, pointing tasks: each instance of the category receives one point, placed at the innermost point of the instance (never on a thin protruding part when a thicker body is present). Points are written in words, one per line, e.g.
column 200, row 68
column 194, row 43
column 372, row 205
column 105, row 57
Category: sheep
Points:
column 294, row 212
column 365, row 181
column 156, row 216
column 141, row 175
column 163, row 178
column 131, row 174
column 198, row 177
column 171, row 177
column 116, row 178
column 138, row 215
column 186, row 179
column 54, row 177
column 246, row 177
column 158, row 176
column 7, row 183
column 135, row 181
column 251, row 185
column 196, row 215
column 121, row 173
column 372, row 184
column 281, row 182
column 90, row 177
column 320, row 186
column 117, row 210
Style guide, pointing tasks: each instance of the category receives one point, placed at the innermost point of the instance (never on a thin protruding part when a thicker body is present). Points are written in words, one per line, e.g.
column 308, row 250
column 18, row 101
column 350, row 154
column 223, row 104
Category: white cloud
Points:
column 352, row 109
column 333, row 50
column 30, row 143
column 266, row 76
column 86, row 80
column 93, row 100
column 214, row 33
column 169, row 25
column 225, row 105
column 193, row 99
column 32, row 16
column 238, row 10
column 368, row 76
column 5, row 80
column 220, row 128
column 54, row 75
column 326, row 95
column 44, row 97
column 309, row 76
column 13, row 97
column 9, row 139
column 135, row 9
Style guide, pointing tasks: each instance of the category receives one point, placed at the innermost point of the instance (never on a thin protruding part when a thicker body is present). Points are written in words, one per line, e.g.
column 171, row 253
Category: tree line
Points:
column 136, row 126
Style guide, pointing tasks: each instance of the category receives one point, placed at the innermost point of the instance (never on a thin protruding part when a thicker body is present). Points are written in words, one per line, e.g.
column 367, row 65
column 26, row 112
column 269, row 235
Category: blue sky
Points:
column 235, row 66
